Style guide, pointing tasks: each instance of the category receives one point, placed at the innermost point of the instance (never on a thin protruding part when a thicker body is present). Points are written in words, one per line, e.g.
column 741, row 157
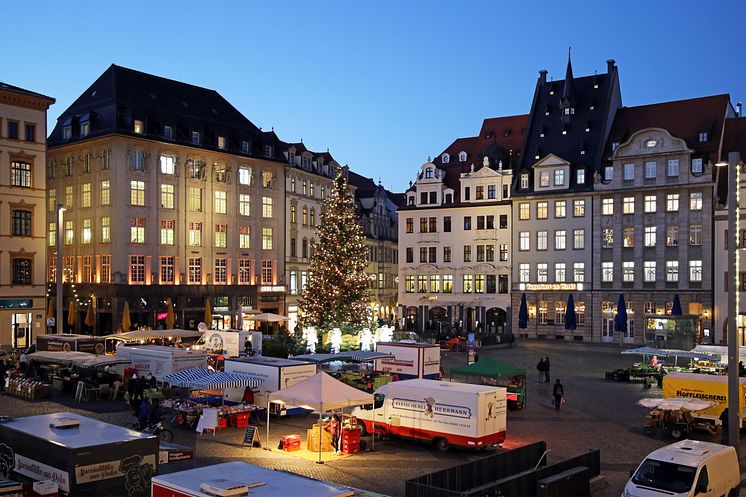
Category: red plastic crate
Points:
column 222, row 423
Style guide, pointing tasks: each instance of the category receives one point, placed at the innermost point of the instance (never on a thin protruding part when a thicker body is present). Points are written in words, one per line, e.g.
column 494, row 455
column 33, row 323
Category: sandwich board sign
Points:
column 251, row 437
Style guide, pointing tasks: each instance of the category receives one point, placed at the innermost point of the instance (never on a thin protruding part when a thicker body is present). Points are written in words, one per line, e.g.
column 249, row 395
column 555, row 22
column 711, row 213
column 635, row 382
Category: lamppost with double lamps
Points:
column 60, row 327
column 734, row 178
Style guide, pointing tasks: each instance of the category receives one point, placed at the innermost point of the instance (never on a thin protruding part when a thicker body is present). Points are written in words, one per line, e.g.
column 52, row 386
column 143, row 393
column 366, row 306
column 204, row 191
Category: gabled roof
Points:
column 578, row 137
column 500, row 139
column 683, row 119
column 121, row 95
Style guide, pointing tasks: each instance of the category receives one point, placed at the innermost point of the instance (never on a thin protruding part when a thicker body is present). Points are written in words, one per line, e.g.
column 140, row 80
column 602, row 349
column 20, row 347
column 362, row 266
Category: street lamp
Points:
column 733, row 304
column 60, row 326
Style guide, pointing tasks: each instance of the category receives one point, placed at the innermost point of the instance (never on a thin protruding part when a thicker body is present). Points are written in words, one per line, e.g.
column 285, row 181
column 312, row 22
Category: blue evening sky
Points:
column 382, row 84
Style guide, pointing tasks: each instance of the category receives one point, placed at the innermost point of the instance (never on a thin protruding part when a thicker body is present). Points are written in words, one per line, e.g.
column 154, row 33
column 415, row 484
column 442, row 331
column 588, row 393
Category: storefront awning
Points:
column 205, row 379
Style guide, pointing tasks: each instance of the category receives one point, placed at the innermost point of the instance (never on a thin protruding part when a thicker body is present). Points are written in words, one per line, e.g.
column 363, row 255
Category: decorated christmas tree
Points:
column 336, row 292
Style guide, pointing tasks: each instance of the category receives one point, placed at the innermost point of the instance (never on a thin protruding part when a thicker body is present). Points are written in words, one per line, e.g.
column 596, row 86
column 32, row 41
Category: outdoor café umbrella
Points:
column 208, row 313
column 268, row 317
column 571, row 319
column 620, row 321
column 523, row 313
column 126, row 321
column 71, row 314
column 170, row 315
column 676, row 307
column 90, row 320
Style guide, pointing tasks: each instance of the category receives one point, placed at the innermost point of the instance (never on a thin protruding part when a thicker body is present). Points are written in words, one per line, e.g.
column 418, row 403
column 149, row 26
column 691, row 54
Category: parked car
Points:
column 455, row 343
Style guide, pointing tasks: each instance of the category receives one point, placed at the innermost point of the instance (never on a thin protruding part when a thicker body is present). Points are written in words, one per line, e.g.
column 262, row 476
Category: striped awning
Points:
column 349, row 356
column 205, row 379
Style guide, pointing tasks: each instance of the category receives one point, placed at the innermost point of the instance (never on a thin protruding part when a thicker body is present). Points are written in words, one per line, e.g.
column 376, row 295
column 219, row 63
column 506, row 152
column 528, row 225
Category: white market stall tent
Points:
column 320, row 392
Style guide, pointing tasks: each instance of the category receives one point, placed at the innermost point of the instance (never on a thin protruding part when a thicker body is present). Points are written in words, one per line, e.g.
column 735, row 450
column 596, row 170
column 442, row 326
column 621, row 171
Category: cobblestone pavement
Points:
column 598, row 414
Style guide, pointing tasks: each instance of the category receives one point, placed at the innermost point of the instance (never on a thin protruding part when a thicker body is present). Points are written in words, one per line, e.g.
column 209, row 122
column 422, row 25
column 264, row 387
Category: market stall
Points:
column 321, row 393
column 174, row 337
column 491, row 372
column 205, row 381
column 367, row 380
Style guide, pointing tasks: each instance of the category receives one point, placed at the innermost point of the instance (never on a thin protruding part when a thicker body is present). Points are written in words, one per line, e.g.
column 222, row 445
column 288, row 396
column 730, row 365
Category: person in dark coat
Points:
column 540, row 369
column 546, row 370
column 724, row 422
column 558, row 392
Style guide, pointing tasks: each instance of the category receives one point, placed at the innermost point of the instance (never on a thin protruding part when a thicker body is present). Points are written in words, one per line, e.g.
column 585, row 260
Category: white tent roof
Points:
column 150, row 334
column 322, row 393
column 83, row 359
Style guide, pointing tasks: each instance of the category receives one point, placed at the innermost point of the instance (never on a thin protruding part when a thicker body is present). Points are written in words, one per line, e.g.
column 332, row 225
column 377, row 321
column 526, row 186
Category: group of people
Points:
column 558, row 390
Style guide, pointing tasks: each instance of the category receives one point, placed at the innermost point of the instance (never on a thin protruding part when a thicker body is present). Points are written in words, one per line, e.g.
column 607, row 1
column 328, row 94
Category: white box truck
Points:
column 444, row 413
column 230, row 343
column 276, row 373
column 160, row 360
column 411, row 360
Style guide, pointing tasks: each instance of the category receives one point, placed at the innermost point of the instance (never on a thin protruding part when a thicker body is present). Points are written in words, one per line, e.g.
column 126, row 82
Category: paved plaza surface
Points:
column 599, row 414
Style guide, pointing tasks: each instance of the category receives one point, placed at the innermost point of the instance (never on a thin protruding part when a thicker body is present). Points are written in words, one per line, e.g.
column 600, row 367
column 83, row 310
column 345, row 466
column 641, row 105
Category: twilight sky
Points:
column 383, row 84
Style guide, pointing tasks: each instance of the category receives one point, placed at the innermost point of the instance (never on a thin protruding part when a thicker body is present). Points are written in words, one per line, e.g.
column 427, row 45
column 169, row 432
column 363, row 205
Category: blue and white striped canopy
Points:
column 204, row 379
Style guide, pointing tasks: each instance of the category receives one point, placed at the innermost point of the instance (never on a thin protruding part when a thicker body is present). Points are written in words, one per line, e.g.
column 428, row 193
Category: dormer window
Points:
column 196, row 138
column 268, row 151
column 462, row 156
column 614, row 145
column 245, row 147
column 429, row 172
column 542, row 132
column 609, row 173
column 445, row 158
column 291, row 158
column 410, row 200
column 168, row 132
column 569, row 111
column 139, row 127
column 306, row 162
column 67, row 129
column 580, row 176
column 524, row 181
column 703, row 136
column 221, row 142
column 651, row 143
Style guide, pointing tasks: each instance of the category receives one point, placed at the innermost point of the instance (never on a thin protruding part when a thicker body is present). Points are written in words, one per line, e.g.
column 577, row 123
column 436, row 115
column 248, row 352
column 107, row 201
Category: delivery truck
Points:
column 706, row 387
column 66, row 343
column 230, row 343
column 411, row 360
column 443, row 413
column 276, row 374
column 160, row 360
column 83, row 456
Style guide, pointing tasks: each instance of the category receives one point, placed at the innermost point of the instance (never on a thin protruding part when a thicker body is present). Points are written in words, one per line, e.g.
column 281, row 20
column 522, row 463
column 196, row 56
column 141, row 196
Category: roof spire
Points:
column 568, row 93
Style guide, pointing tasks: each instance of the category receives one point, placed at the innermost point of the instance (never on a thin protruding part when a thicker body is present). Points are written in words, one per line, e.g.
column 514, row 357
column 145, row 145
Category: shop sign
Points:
column 538, row 287
column 221, row 308
column 110, row 469
column 40, row 471
column 16, row 303
column 272, row 289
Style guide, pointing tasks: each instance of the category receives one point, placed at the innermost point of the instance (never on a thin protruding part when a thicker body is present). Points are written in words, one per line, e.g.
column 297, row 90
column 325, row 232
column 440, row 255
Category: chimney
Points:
column 543, row 77
column 739, row 109
column 610, row 63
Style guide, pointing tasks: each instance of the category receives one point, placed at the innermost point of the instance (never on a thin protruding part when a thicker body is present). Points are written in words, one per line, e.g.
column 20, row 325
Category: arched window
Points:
column 445, row 158
column 429, row 172
column 462, row 156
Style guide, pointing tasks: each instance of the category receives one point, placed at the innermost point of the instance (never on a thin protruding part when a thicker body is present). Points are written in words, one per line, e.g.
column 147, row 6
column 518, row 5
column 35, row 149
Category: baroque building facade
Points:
column 23, row 131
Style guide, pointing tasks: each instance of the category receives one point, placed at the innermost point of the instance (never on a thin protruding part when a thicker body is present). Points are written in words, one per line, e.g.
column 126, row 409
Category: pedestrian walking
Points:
column 546, row 370
column 558, row 392
column 540, row 369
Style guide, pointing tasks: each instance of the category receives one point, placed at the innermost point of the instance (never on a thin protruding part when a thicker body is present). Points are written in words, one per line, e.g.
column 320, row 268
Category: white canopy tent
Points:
column 132, row 336
column 82, row 359
column 320, row 392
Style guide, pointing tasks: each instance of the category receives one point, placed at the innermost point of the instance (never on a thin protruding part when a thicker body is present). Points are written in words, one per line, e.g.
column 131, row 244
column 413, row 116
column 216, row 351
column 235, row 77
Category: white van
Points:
column 685, row 469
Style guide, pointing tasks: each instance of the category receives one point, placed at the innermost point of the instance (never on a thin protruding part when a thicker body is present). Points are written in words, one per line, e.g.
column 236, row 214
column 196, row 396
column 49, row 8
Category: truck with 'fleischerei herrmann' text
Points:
column 705, row 387
column 443, row 413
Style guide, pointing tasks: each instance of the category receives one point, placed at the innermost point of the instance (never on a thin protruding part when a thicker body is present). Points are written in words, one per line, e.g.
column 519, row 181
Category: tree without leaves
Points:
column 337, row 289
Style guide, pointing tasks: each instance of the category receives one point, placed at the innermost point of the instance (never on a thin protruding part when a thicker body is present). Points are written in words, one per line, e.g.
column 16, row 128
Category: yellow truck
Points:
column 705, row 387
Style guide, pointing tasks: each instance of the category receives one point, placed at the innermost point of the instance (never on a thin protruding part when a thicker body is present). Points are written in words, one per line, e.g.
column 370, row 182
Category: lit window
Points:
column 695, row 234
column 607, row 272
column 672, row 271
column 69, row 233
column 672, row 235
column 524, row 273
column 195, row 234
column 560, row 239
column 266, row 238
column 628, row 237
column 220, row 172
column 703, row 136
column 220, row 273
column 195, row 270
column 560, row 209
column 196, row 169
column 195, row 199
column 578, row 272
column 244, row 237
column 105, row 229
column 650, row 203
column 524, row 211
column 695, row 270
column 267, row 179
column 221, row 202
column 650, row 236
column 697, row 166
column 524, row 240
column 137, row 230
column 85, row 195
column 607, row 206
column 168, row 164
column 221, row 235
column 221, row 141
column 560, row 272
column 468, row 283
column 544, row 178
column 695, row 201
column 87, row 234
column 267, row 207
column 542, row 273
column 524, row 181
column 167, row 196
column 167, row 231
column 105, row 192
column 137, row 193
column 578, row 208
column 542, row 210
column 68, row 197
column 52, row 234
column 541, row 240
column 167, row 269
column 578, row 237
column 607, row 238
column 649, row 271
column 137, row 269
column 609, row 173
column 580, row 176
column 672, row 202
column 139, row 127
column 244, row 175
column 559, row 177
column 105, row 269
column 628, row 205
column 628, row 271
column 20, row 174
column 244, row 204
